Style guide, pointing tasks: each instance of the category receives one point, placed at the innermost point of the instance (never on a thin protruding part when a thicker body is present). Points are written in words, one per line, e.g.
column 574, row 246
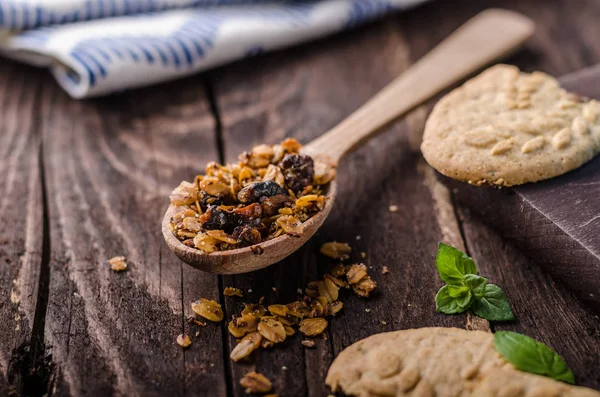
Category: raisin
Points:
column 245, row 234
column 271, row 205
column 298, row 171
column 217, row 218
column 207, row 200
column 254, row 191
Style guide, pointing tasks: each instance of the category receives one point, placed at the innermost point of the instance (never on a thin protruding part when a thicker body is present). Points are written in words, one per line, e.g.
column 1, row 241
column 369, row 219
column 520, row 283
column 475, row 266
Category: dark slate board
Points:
column 555, row 222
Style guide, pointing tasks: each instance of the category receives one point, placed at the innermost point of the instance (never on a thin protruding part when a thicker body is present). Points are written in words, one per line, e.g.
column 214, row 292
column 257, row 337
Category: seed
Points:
column 192, row 224
column 220, row 235
column 329, row 290
column 256, row 310
column 184, row 194
column 184, row 341
column 117, row 263
column 336, row 250
column 214, row 187
column 208, row 309
column 278, row 310
column 335, row 307
column 393, row 208
column 298, row 309
column 246, row 346
column 231, row 291
column 240, row 326
column 256, row 383
column 290, row 225
column 308, row 343
column 364, row 287
column 356, row 273
column 313, row 326
column 272, row 330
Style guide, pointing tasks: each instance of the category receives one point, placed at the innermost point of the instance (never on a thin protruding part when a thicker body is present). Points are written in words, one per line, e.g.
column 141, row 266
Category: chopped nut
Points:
column 313, row 326
column 118, row 263
column 185, row 193
column 246, row 346
column 208, row 309
column 231, row 291
column 393, row 208
column 277, row 184
column 336, row 250
column 256, row 383
column 257, row 310
column 298, row 309
column 240, row 326
column 184, row 341
column 335, row 307
column 290, row 225
column 278, row 310
column 356, row 273
column 272, row 330
column 364, row 287
column 308, row 343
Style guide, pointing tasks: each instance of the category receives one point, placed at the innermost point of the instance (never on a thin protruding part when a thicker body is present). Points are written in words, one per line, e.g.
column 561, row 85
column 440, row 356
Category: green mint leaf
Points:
column 453, row 264
column 529, row 355
column 474, row 282
column 452, row 305
column 456, row 291
column 491, row 304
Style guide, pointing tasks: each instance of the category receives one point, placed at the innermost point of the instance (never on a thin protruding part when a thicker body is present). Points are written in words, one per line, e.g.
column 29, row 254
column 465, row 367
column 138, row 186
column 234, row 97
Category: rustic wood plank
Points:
column 544, row 309
column 109, row 172
column 21, row 214
column 302, row 93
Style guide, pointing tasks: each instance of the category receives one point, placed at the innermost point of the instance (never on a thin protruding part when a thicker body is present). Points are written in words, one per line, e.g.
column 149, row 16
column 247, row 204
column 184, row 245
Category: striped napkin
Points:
column 96, row 47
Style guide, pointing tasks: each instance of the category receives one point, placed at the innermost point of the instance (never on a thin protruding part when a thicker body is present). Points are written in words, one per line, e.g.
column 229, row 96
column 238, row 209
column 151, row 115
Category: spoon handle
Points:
column 486, row 37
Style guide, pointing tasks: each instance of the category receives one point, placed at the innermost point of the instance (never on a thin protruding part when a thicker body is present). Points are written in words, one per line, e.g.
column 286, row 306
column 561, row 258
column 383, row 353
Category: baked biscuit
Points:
column 437, row 362
column 507, row 128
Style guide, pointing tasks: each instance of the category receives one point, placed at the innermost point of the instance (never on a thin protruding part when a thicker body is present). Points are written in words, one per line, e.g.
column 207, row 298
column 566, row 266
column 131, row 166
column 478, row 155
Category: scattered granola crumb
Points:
column 117, row 263
column 197, row 334
column 249, row 290
column 384, row 323
column 208, row 309
column 385, row 270
column 194, row 320
column 231, row 291
column 336, row 250
column 184, row 341
column 363, row 255
column 256, row 383
column 368, row 310
column 308, row 343
column 299, row 291
column 274, row 289
column 358, row 237
column 284, row 368
column 393, row 208
column 261, row 300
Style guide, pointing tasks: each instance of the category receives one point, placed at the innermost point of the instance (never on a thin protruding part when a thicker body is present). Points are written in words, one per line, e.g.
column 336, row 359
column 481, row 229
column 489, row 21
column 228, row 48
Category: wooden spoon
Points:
column 483, row 39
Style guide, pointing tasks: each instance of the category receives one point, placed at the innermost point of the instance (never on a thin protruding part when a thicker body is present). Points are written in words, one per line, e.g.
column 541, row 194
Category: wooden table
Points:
column 81, row 182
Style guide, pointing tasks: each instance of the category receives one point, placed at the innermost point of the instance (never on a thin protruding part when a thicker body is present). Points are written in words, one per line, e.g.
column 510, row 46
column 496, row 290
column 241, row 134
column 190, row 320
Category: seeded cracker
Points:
column 437, row 362
column 507, row 128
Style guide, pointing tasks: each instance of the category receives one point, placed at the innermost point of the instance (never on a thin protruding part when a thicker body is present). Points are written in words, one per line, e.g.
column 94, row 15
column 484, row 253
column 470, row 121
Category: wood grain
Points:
column 109, row 172
column 107, row 166
column 386, row 171
column 21, row 215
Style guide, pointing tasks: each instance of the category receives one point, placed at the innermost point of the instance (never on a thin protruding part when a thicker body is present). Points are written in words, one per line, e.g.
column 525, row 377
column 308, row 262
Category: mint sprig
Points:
column 465, row 289
column 529, row 355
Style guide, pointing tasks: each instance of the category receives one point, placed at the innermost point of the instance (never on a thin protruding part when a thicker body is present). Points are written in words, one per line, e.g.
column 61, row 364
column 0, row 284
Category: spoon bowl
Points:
column 483, row 39
column 247, row 259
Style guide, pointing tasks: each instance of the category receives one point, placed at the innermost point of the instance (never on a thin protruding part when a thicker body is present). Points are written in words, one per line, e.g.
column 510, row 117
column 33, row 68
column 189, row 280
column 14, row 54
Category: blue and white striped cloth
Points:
column 95, row 47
